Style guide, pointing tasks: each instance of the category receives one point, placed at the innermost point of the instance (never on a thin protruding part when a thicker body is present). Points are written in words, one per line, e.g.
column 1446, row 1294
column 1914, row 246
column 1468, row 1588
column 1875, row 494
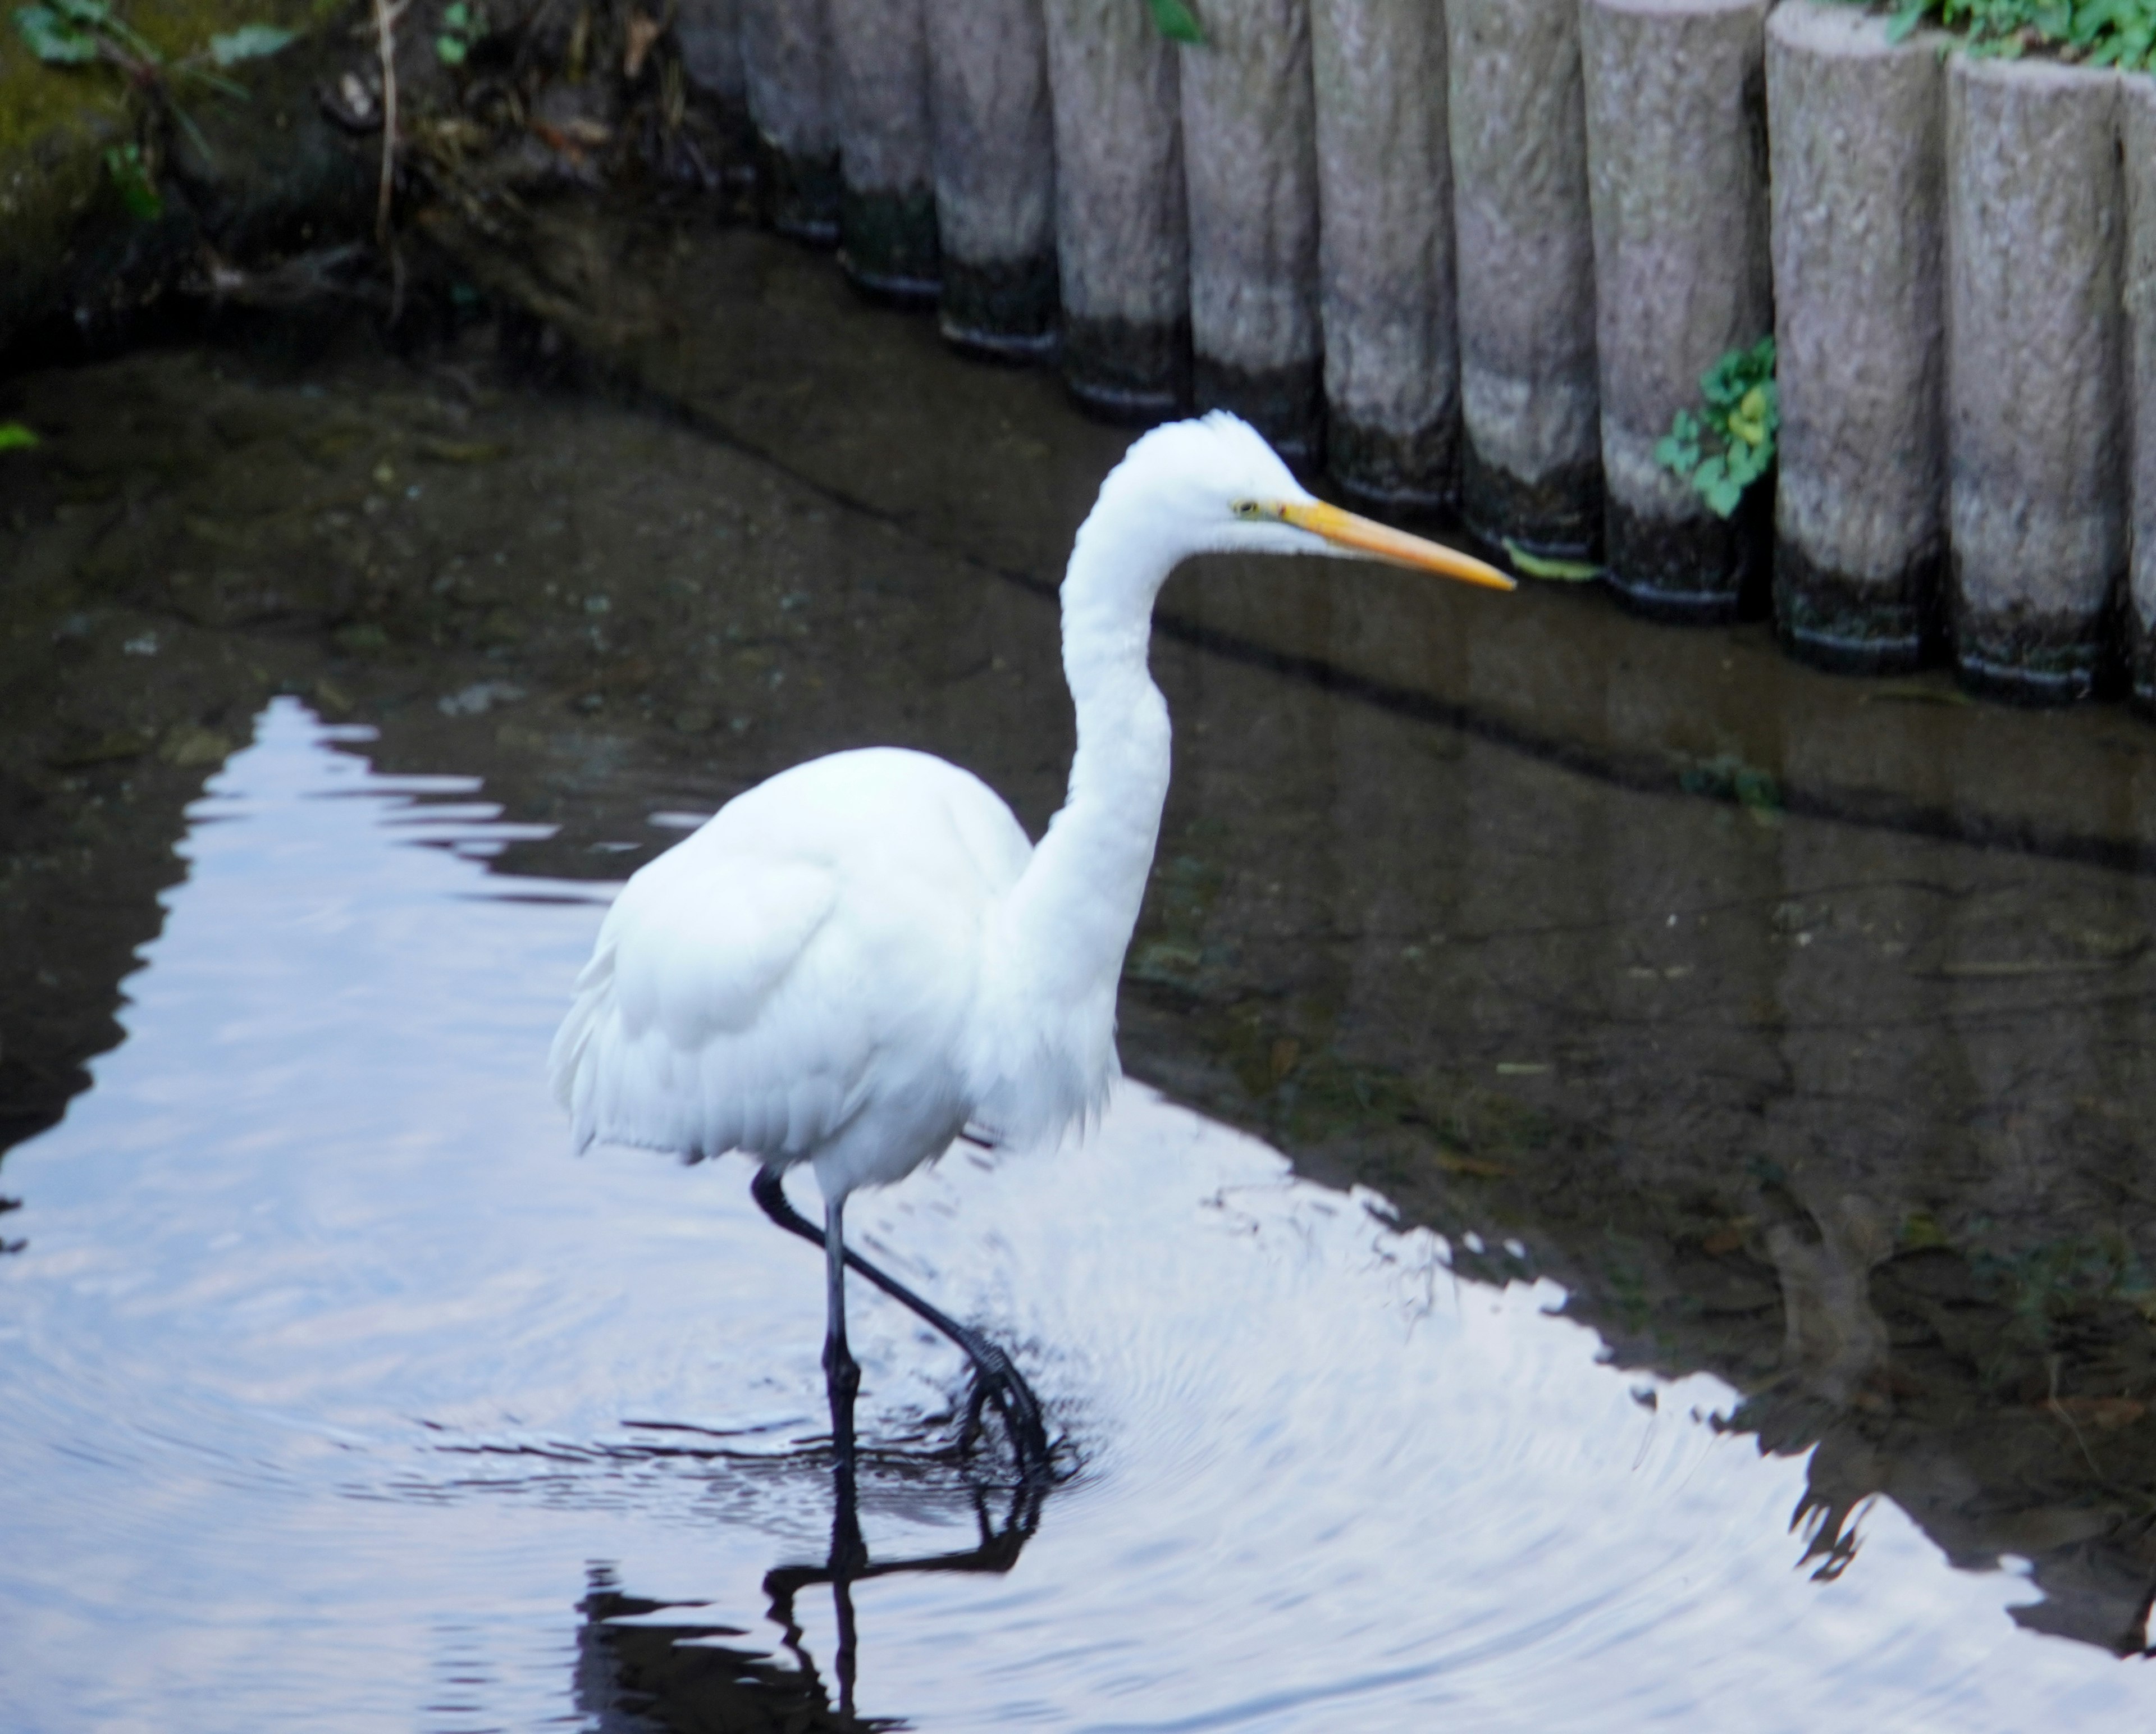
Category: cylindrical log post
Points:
column 1250, row 160
column 1858, row 125
column 1384, row 178
column 710, row 35
column 2137, row 130
column 1530, row 402
column 1677, row 158
column 786, row 66
column 1121, row 230
column 995, row 176
column 886, row 153
column 2035, row 371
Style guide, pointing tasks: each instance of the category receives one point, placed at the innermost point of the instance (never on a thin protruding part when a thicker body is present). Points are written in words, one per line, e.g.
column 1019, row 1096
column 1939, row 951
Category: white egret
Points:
column 856, row 962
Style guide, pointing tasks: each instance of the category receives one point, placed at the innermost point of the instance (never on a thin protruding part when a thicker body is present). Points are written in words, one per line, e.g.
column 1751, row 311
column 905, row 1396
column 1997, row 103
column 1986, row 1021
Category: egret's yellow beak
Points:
column 1395, row 547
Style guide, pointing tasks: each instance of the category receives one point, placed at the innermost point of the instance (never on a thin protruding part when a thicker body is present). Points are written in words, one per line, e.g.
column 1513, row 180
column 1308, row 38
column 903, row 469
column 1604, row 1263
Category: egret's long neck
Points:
column 1076, row 907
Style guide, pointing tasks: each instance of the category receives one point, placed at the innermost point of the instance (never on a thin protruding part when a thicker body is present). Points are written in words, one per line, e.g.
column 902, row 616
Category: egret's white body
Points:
column 855, row 961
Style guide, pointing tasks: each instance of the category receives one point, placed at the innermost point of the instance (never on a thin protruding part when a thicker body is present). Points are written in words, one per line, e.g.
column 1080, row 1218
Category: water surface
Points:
column 341, row 1385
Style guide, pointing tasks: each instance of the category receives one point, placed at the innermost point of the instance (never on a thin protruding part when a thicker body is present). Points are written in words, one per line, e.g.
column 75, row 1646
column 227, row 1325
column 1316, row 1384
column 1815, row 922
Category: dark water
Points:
column 1695, row 1264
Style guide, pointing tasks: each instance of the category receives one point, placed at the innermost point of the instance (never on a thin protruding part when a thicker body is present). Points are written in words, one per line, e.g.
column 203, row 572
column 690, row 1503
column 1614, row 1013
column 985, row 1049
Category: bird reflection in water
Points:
column 686, row 1677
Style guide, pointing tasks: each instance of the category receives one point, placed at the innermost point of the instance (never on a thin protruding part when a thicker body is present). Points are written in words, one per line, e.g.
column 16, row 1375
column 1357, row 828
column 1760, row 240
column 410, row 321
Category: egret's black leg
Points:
column 842, row 1374
column 995, row 1377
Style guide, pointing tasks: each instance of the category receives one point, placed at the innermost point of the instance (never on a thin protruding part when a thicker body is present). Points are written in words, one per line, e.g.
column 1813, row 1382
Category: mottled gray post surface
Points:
column 786, row 71
column 710, row 35
column 1384, row 179
column 887, row 239
column 1122, row 240
column 1250, row 160
column 995, row 176
column 1677, row 158
column 1530, row 402
column 1858, row 126
column 2036, row 393
column 2138, row 132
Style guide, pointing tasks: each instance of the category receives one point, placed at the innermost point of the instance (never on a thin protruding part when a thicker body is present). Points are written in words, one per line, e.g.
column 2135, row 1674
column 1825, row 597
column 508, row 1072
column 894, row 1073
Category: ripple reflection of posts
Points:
column 678, row 1677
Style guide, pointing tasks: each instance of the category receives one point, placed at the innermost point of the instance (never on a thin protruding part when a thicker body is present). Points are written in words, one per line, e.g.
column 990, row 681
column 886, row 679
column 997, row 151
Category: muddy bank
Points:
column 1586, row 955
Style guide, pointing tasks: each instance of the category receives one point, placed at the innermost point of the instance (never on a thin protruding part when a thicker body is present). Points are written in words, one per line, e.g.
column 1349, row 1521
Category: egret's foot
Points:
column 995, row 1380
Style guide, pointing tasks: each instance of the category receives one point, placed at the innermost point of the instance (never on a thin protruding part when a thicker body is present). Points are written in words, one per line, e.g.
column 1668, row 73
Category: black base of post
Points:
column 1286, row 404
column 798, row 196
column 2030, row 658
column 1851, row 626
column 1696, row 571
column 1405, row 473
column 1124, row 371
column 887, row 246
column 1559, row 517
column 1004, row 310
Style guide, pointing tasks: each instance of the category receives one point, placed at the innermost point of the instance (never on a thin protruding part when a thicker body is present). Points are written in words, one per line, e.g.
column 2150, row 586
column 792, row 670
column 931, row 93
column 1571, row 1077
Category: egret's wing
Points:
column 673, row 1041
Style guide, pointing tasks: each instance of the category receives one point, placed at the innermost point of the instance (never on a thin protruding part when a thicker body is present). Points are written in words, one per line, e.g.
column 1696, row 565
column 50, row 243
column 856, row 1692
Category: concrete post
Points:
column 995, row 176
column 1677, row 158
column 1858, row 127
column 1530, row 402
column 1250, row 161
column 786, row 55
column 1384, row 178
column 887, row 179
column 709, row 34
column 1121, row 232
column 2138, row 133
column 2037, row 374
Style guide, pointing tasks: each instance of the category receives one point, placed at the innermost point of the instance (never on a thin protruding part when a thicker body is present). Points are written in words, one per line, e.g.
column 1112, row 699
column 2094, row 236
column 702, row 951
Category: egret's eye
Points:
column 1248, row 509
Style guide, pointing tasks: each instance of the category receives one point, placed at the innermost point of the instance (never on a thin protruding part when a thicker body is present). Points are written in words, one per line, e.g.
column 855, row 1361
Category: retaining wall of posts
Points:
column 1496, row 243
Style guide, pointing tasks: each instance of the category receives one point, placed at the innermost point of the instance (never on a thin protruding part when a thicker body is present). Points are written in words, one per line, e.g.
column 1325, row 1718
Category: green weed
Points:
column 2095, row 32
column 462, row 26
column 1728, row 444
column 83, row 33
column 1178, row 22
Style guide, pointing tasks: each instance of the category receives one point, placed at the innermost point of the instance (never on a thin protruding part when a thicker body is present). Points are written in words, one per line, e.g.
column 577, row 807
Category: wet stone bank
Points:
column 1796, row 1028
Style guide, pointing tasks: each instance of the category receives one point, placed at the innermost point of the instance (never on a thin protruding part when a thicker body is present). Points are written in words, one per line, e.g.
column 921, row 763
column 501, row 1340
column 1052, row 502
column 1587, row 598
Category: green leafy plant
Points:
column 2098, row 33
column 75, row 32
column 137, row 184
column 1728, row 444
column 1543, row 566
column 14, row 436
column 1177, row 22
column 80, row 32
column 461, row 27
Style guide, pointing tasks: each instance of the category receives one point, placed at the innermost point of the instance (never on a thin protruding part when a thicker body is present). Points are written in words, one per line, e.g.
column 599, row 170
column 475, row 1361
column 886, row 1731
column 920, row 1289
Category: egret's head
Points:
column 1213, row 485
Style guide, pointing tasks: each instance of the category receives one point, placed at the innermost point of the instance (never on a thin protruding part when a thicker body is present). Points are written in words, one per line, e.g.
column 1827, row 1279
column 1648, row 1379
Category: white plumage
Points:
column 856, row 961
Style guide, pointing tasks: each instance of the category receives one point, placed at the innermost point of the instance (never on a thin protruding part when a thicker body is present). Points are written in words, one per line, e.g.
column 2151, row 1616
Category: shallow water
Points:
column 1628, row 1014
column 339, row 1384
